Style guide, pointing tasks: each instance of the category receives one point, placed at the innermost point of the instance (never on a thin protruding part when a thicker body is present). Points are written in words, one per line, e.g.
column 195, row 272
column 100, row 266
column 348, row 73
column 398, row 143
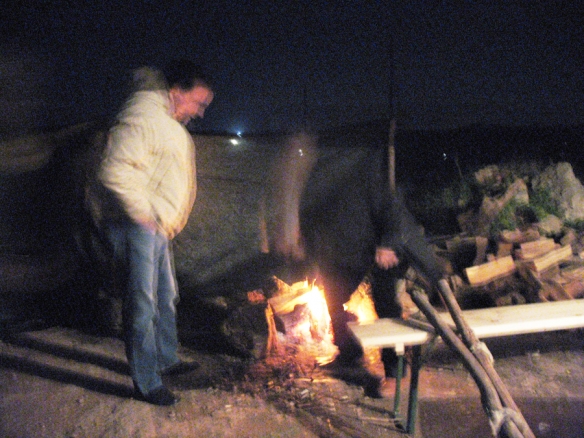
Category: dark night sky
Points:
column 280, row 64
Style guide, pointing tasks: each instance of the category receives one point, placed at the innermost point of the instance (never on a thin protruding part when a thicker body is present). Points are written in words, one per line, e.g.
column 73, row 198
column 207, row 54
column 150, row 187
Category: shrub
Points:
column 542, row 203
column 576, row 224
column 506, row 219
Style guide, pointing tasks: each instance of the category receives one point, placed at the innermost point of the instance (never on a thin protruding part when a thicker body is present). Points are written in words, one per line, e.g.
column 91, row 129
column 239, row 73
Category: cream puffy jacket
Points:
column 148, row 170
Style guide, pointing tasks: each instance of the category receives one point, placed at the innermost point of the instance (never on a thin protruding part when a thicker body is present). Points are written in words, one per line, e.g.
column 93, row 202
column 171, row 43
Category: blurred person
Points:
column 287, row 179
column 146, row 187
column 354, row 228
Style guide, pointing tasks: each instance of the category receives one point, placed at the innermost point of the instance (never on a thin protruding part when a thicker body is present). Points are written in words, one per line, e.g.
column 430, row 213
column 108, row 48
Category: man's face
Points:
column 189, row 104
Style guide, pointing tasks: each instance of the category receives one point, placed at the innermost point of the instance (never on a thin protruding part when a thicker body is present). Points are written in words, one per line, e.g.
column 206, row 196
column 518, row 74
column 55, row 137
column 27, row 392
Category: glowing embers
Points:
column 361, row 304
column 303, row 322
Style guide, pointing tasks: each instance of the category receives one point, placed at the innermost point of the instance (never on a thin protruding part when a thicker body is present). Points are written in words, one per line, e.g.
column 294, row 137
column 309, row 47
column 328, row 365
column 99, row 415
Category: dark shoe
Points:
column 340, row 364
column 381, row 388
column 356, row 374
column 344, row 360
column 180, row 368
column 161, row 396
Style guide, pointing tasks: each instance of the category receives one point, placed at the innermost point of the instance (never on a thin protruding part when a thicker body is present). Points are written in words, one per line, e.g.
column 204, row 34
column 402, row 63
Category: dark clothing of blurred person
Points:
column 145, row 193
column 353, row 228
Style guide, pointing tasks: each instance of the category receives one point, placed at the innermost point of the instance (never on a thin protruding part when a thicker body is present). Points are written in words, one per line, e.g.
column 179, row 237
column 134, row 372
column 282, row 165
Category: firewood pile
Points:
column 521, row 240
column 520, row 268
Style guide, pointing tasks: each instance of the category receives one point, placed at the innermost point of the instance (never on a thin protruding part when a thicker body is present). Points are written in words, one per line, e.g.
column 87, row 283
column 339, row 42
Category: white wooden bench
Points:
column 486, row 323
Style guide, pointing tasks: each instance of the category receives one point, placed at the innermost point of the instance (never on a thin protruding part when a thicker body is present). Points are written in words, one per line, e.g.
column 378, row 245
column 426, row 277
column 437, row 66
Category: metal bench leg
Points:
column 398, row 380
column 413, row 401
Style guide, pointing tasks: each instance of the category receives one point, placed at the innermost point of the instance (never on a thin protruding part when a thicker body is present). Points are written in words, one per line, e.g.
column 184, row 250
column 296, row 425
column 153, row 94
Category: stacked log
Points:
column 514, row 273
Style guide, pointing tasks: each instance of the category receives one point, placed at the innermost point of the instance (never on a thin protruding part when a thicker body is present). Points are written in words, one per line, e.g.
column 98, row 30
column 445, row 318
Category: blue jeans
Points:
column 145, row 275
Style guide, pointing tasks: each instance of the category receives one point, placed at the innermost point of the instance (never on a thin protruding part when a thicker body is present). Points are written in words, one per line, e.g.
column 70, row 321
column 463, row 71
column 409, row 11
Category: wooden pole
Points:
column 391, row 157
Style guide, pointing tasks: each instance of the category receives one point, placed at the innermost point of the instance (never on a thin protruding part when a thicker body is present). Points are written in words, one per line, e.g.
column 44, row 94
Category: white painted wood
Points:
column 524, row 318
column 485, row 323
column 388, row 333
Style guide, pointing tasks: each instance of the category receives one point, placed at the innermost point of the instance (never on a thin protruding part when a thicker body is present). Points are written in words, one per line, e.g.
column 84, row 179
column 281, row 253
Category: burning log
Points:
column 306, row 325
column 272, row 342
column 292, row 320
column 248, row 329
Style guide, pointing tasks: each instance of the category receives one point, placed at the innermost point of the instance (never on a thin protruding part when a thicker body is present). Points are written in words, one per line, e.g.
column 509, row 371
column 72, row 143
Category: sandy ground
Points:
column 61, row 382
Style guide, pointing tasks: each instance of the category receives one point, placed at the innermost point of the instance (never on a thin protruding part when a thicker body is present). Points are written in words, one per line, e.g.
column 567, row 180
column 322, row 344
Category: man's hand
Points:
column 385, row 257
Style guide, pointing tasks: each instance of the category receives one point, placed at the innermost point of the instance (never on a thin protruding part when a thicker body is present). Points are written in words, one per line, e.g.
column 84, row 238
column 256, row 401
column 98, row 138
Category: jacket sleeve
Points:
column 404, row 235
column 124, row 170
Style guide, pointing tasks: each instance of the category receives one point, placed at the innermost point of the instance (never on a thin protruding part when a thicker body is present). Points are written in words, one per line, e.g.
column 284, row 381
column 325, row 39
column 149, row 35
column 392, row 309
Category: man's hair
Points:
column 185, row 74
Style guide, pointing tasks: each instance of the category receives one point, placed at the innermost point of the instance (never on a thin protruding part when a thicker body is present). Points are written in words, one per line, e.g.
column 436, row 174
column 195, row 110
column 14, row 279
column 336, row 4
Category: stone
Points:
column 565, row 189
column 550, row 226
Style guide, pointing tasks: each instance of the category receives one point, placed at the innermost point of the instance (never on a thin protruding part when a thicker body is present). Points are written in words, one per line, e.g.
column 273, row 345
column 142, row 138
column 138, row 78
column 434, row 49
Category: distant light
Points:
column 444, row 157
column 301, row 152
column 234, row 141
column 239, row 133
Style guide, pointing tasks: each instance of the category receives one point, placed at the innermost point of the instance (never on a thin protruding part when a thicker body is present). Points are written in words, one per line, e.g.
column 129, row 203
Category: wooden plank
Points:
column 573, row 272
column 388, row 333
column 504, row 249
column 482, row 244
column 485, row 323
column 552, row 258
column 574, row 288
column 483, row 274
column 524, row 318
column 536, row 248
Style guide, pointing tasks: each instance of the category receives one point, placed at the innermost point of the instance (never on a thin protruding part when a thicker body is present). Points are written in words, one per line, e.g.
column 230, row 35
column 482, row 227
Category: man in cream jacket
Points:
column 147, row 189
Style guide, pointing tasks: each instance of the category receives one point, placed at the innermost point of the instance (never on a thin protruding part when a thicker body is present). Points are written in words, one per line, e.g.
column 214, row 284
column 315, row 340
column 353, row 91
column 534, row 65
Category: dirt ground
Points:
column 63, row 382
